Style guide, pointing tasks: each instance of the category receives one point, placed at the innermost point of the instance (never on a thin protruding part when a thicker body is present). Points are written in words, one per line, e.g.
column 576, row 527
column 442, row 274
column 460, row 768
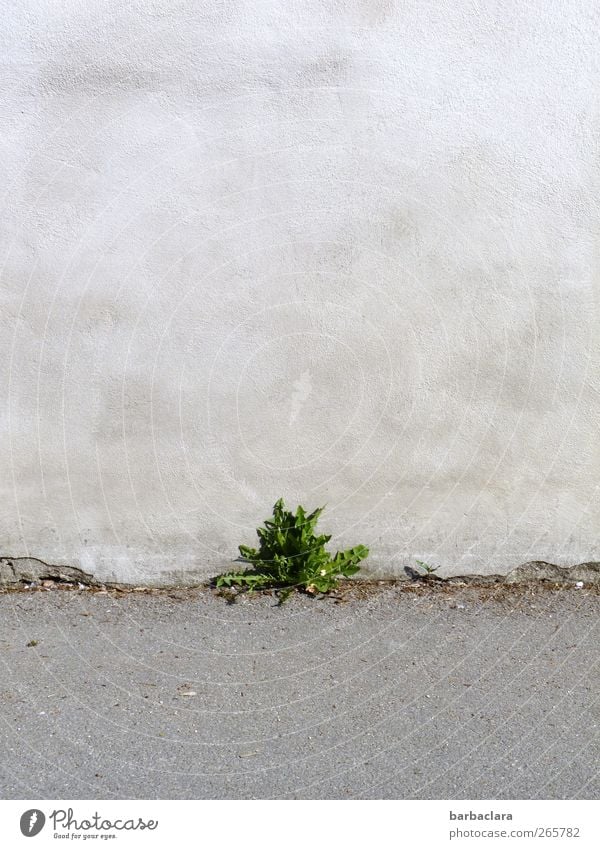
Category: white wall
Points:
column 340, row 252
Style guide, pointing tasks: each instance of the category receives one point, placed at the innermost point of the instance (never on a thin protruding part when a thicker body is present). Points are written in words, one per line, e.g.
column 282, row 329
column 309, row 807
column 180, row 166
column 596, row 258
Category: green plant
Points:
column 427, row 569
column 291, row 555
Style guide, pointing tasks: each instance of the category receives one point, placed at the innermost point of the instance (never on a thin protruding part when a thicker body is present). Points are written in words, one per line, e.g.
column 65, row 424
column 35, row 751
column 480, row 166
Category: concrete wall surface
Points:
column 342, row 252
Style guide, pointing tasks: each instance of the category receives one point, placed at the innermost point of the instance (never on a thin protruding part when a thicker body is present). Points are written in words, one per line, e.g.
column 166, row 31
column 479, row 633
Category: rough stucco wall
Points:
column 340, row 252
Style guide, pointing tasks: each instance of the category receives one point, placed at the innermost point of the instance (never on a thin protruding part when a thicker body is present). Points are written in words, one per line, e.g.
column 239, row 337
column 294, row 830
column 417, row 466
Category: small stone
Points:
column 579, row 585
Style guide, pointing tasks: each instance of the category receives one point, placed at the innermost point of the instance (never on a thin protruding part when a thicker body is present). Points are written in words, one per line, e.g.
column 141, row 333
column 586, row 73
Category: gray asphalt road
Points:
column 403, row 693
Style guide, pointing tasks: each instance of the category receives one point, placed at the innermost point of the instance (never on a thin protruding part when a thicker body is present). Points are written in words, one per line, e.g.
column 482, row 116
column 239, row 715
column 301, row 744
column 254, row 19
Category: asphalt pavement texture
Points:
column 387, row 691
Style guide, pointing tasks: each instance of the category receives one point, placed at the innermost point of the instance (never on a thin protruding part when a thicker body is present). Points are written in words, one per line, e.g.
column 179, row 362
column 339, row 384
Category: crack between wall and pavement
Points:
column 20, row 571
column 24, row 572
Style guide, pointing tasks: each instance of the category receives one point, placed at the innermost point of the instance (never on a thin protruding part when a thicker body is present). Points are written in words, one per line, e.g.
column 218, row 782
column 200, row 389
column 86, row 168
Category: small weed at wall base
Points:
column 292, row 556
